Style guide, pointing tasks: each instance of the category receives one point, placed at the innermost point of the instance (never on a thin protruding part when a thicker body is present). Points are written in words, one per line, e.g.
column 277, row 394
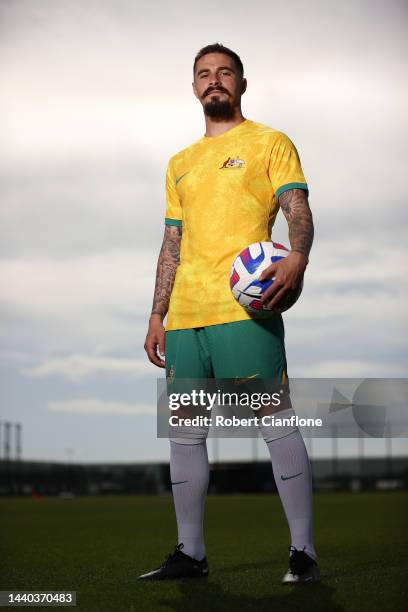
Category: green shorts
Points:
column 253, row 348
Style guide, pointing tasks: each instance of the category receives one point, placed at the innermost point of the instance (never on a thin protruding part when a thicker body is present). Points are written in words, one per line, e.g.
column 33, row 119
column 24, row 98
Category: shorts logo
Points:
column 241, row 381
column 170, row 376
column 233, row 163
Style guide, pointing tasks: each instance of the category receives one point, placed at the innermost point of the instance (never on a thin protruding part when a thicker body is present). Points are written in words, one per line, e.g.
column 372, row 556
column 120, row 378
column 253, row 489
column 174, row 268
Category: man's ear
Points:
column 195, row 90
column 243, row 86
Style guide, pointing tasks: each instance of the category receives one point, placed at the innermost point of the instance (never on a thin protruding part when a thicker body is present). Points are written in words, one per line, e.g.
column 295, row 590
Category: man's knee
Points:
column 188, row 435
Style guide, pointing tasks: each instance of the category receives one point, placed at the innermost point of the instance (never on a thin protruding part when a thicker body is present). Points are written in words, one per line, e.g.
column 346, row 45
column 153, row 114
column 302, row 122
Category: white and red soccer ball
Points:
column 245, row 285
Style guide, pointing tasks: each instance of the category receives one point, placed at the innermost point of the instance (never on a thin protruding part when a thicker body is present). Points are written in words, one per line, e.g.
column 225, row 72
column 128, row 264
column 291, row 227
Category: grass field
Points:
column 97, row 546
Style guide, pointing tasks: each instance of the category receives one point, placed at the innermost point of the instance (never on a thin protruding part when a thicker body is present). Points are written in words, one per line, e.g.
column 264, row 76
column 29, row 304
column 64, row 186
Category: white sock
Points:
column 189, row 471
column 291, row 469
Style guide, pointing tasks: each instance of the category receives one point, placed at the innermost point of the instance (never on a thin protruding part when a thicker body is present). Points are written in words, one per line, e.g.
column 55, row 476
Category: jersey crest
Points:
column 232, row 162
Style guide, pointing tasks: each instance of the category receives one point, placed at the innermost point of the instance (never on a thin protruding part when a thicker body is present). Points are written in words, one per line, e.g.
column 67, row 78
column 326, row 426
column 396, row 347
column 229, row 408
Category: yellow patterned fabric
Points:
column 223, row 191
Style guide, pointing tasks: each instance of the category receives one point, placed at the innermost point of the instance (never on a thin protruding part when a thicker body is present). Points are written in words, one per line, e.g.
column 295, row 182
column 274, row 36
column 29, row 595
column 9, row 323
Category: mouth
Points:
column 215, row 91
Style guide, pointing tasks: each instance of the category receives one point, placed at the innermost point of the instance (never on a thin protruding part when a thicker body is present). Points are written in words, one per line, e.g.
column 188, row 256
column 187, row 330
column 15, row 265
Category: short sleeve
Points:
column 285, row 171
column 174, row 214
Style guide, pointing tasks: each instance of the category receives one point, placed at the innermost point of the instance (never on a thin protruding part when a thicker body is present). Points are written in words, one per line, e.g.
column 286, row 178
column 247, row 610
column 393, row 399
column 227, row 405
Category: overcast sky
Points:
column 96, row 96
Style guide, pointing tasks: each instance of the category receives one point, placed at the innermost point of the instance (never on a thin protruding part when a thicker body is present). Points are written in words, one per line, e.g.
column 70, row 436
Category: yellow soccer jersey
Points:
column 223, row 191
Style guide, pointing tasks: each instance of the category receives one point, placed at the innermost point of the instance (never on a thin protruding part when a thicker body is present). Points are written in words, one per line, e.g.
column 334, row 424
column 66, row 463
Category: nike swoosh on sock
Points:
column 289, row 477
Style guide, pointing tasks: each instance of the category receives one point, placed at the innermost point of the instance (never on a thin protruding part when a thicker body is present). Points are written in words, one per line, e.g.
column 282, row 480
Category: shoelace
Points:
column 173, row 554
column 299, row 561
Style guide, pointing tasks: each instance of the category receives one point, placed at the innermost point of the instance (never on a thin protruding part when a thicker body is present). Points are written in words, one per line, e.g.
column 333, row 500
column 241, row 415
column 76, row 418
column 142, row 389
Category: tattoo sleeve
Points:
column 167, row 265
column 295, row 207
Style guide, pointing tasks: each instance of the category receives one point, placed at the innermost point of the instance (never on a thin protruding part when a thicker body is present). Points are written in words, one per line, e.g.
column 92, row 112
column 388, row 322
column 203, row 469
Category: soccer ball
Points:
column 244, row 274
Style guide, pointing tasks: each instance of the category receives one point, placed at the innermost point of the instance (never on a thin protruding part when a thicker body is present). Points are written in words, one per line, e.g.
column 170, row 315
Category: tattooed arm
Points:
column 289, row 272
column 167, row 264
column 295, row 207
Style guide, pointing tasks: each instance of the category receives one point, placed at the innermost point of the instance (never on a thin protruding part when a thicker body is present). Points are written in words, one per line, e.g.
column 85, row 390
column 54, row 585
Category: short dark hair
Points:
column 219, row 48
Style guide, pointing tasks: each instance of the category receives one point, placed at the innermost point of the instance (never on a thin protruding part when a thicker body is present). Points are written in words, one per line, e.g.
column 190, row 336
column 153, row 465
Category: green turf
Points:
column 97, row 546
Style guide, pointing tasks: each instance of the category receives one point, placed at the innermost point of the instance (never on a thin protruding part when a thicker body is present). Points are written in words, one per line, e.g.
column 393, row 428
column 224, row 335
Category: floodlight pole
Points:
column 18, row 447
column 361, row 452
column 7, row 434
column 388, row 451
column 7, row 439
column 18, row 440
column 335, row 452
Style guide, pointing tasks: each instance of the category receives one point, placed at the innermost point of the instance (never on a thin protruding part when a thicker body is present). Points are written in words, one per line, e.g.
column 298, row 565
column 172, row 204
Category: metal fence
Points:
column 35, row 478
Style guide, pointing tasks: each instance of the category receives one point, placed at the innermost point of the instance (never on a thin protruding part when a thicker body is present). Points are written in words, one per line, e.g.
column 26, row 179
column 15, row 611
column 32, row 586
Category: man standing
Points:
column 223, row 193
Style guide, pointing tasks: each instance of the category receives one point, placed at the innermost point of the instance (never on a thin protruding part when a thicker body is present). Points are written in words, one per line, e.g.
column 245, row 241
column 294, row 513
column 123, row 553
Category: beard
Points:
column 219, row 109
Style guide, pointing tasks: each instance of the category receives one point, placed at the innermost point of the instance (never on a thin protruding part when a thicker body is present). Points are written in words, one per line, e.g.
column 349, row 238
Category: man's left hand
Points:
column 288, row 273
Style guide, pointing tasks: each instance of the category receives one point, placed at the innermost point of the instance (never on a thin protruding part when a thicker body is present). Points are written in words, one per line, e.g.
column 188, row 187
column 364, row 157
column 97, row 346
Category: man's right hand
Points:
column 154, row 344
